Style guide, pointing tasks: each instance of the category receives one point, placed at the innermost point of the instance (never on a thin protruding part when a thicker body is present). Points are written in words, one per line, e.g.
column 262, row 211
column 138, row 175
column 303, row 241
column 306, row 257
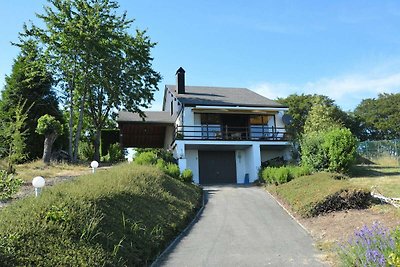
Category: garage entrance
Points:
column 217, row 167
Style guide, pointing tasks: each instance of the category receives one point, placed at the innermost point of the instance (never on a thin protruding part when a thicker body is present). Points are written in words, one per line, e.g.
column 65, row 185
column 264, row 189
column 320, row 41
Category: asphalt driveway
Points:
column 242, row 226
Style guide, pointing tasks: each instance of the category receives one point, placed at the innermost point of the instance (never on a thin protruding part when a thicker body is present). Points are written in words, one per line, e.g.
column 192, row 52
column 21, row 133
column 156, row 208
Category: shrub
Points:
column 163, row 154
column 85, row 151
column 375, row 246
column 172, row 170
column 332, row 150
column 146, row 158
column 187, row 176
column 9, row 185
column 122, row 217
column 312, row 154
column 115, row 154
column 340, row 148
column 282, row 175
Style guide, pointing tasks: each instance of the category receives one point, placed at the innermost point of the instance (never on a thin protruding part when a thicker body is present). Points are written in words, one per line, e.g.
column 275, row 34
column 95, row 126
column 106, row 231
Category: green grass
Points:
column 318, row 193
column 384, row 174
column 123, row 216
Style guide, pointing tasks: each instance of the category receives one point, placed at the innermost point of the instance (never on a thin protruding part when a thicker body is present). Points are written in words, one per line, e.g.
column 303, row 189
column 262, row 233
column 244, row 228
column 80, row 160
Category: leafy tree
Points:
column 14, row 137
column 50, row 128
column 321, row 117
column 380, row 118
column 99, row 64
column 300, row 106
column 29, row 82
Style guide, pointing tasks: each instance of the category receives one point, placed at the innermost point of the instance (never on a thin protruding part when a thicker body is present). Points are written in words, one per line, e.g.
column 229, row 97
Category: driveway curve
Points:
column 242, row 226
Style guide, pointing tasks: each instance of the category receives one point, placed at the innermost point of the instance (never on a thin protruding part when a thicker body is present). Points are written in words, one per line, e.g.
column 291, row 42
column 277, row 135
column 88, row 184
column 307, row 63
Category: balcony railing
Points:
column 225, row 132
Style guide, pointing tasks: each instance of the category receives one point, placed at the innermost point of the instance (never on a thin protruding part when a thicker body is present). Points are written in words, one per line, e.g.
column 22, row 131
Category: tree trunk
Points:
column 97, row 145
column 79, row 129
column 71, row 126
column 48, row 144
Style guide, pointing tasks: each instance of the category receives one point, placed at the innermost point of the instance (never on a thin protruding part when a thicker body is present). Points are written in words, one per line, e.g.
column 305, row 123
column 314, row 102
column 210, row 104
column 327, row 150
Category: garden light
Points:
column 38, row 182
column 94, row 164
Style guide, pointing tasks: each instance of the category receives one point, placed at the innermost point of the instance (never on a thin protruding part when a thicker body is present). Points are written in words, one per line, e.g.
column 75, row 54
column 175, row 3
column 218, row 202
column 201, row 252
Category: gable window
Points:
column 172, row 108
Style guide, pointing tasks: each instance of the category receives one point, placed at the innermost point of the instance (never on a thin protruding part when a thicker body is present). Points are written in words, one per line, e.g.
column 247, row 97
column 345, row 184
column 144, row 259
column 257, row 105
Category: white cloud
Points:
column 347, row 91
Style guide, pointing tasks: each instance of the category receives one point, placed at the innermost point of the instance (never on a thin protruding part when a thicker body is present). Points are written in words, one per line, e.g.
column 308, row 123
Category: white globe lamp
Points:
column 94, row 164
column 38, row 182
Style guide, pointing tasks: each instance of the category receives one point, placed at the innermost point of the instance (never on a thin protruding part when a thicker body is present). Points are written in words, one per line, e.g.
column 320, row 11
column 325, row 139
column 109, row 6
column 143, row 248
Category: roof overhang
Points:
column 237, row 110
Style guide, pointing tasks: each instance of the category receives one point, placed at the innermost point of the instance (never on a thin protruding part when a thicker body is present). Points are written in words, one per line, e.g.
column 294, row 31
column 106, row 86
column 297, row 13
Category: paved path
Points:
column 242, row 226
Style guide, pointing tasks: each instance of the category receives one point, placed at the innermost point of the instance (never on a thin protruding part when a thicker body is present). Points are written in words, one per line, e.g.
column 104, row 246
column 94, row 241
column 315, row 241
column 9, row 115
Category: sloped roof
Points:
column 222, row 96
column 151, row 117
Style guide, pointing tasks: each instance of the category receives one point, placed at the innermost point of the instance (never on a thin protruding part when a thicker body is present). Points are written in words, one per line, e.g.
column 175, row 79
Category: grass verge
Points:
column 321, row 193
column 124, row 216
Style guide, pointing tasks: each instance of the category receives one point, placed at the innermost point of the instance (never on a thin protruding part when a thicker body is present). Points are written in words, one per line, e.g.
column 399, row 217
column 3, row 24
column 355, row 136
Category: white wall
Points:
column 192, row 162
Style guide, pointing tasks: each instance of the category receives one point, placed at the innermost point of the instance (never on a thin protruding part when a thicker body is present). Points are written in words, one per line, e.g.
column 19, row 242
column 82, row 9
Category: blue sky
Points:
column 348, row 50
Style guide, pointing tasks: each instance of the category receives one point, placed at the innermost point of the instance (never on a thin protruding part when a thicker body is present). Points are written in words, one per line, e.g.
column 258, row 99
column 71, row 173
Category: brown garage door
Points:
column 217, row 167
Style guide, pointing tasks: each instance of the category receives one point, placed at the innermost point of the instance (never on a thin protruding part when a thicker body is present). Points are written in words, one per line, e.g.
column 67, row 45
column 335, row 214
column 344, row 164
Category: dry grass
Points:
column 56, row 169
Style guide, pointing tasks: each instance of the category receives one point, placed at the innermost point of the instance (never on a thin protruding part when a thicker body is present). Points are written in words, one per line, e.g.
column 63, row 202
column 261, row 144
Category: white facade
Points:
column 248, row 154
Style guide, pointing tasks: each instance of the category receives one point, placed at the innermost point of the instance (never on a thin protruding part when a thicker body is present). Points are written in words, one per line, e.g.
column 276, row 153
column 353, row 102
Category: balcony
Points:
column 225, row 133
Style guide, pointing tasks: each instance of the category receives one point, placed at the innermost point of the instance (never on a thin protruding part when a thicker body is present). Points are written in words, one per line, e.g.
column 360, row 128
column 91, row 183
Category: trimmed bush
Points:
column 283, row 175
column 187, row 176
column 146, row 158
column 124, row 216
column 321, row 193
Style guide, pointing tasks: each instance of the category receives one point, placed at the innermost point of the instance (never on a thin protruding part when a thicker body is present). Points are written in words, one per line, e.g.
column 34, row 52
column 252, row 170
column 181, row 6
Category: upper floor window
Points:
column 172, row 108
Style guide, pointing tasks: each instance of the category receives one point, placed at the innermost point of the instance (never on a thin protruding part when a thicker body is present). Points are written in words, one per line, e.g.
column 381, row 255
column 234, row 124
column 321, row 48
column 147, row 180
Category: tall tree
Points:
column 321, row 117
column 31, row 82
column 100, row 65
column 380, row 117
column 301, row 105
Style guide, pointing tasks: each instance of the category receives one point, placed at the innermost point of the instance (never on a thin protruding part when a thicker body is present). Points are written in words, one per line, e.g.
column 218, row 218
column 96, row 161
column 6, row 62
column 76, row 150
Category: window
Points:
column 172, row 108
column 262, row 126
column 211, row 126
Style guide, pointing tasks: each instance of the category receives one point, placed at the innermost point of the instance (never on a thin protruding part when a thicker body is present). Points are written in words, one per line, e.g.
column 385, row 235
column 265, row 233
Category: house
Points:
column 221, row 134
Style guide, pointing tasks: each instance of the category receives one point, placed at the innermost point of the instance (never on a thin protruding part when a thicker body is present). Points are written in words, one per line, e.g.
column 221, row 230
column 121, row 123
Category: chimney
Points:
column 180, row 80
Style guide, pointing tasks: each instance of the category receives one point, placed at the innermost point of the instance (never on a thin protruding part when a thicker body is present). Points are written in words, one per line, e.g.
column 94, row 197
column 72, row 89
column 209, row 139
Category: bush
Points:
column 122, row 217
column 172, row 170
column 340, row 146
column 282, row 175
column 146, row 158
column 115, row 154
column 85, row 151
column 163, row 154
column 312, row 153
column 334, row 150
column 187, row 176
column 9, row 185
column 321, row 193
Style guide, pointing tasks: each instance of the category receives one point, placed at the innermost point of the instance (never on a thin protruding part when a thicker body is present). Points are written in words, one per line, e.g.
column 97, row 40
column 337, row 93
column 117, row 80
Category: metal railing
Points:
column 226, row 132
